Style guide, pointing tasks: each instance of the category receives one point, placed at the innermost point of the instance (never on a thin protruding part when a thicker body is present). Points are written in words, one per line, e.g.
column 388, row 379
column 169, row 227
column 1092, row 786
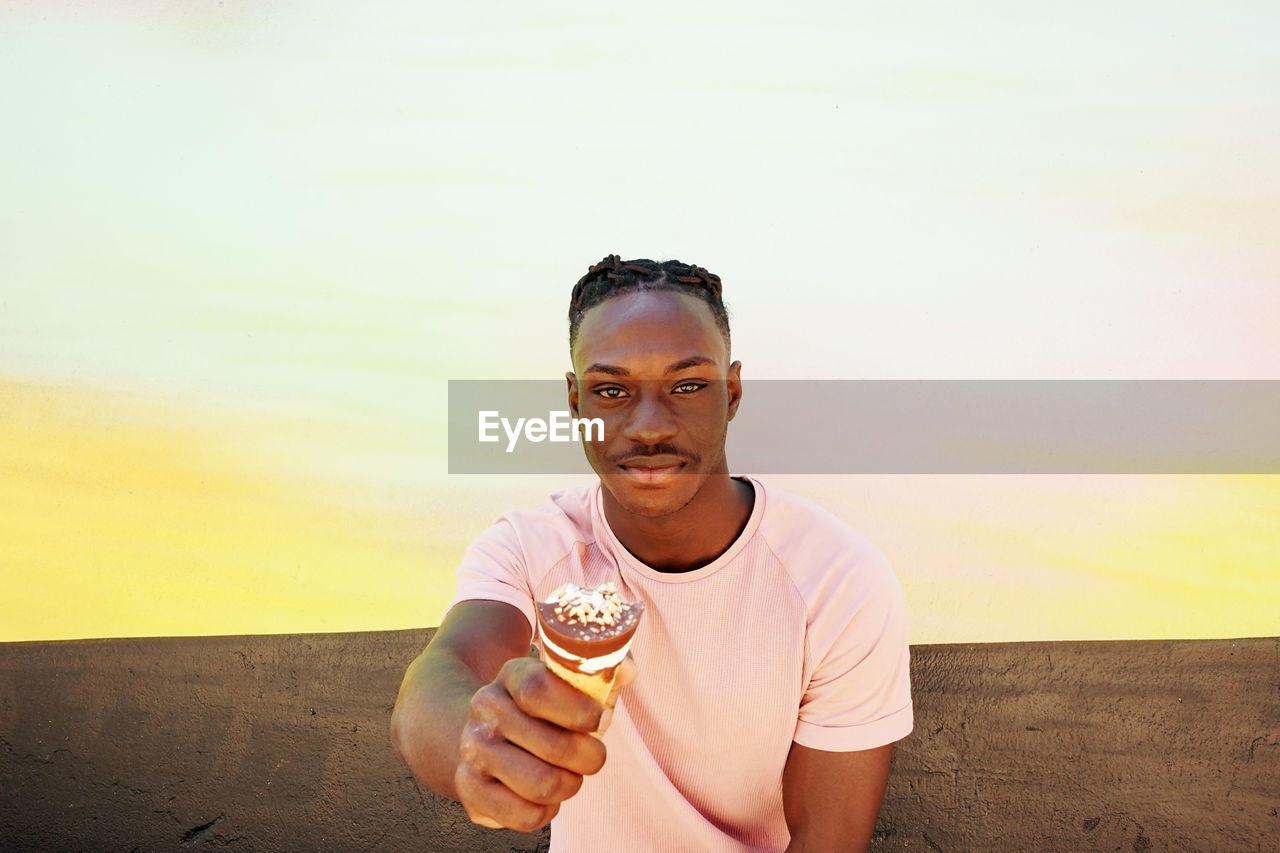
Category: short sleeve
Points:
column 858, row 694
column 494, row 568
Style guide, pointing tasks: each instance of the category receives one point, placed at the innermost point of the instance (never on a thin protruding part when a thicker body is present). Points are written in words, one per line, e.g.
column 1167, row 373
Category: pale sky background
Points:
column 244, row 246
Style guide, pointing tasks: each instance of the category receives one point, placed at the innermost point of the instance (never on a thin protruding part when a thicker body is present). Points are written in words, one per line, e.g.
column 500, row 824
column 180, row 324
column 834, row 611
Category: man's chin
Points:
column 649, row 499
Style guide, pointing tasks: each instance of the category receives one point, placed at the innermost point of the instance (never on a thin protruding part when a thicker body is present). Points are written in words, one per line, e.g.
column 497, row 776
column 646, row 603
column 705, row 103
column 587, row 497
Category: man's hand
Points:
column 526, row 746
column 479, row 721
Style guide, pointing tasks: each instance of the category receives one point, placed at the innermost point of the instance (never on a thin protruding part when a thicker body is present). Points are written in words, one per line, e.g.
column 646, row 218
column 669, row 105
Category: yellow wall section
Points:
column 122, row 518
column 126, row 517
column 1006, row 558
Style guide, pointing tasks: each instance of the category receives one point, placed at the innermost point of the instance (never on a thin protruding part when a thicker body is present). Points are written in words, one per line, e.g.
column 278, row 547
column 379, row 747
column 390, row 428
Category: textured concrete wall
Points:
column 280, row 743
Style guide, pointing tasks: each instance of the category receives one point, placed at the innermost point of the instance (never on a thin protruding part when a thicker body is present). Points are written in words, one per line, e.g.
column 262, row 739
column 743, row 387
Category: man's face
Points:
column 655, row 368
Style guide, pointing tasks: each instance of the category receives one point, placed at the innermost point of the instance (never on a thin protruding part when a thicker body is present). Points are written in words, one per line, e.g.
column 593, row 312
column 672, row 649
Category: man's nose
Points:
column 650, row 420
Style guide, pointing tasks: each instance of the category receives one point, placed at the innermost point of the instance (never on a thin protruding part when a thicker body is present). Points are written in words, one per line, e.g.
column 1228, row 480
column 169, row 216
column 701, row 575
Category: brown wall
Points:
column 280, row 743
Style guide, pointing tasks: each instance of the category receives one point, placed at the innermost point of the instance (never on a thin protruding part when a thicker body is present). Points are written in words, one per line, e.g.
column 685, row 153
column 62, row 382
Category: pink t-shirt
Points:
column 796, row 633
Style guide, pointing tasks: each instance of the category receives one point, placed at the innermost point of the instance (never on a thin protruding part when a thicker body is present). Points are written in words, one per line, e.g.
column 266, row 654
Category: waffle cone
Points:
column 600, row 686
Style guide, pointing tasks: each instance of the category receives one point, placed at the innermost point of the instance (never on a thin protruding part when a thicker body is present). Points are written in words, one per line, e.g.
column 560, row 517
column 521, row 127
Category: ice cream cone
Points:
column 583, row 636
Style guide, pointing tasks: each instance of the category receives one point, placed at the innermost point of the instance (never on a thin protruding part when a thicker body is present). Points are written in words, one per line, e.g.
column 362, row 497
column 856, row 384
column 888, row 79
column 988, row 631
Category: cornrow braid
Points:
column 613, row 276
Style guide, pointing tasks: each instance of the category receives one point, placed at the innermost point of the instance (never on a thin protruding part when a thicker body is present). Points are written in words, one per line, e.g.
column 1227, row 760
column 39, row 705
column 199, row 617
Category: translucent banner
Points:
column 908, row 427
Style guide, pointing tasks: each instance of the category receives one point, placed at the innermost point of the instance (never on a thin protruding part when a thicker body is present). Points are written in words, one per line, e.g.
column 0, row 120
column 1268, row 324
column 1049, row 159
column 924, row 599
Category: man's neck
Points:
column 691, row 537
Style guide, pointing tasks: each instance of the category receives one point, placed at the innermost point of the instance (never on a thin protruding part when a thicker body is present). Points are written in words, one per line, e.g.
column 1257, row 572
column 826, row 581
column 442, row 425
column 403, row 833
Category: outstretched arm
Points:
column 479, row 721
column 831, row 799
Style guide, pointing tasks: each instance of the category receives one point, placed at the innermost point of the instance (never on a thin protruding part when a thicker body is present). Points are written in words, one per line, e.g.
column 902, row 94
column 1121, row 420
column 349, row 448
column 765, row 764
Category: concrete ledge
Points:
column 269, row 743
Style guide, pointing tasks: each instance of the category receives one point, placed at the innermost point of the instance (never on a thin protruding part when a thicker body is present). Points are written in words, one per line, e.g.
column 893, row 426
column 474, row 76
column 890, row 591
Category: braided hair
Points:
column 614, row 276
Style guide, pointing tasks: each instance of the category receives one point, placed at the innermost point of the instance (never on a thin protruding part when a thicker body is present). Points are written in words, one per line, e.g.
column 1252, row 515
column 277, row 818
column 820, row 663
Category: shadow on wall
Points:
column 270, row 743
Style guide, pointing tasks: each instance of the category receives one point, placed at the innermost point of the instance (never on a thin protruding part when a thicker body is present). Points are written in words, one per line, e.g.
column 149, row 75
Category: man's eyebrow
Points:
column 692, row 361
column 675, row 367
column 607, row 368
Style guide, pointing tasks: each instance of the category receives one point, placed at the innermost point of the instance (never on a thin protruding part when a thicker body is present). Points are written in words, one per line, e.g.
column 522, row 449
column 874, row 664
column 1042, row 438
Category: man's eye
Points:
column 611, row 393
column 687, row 387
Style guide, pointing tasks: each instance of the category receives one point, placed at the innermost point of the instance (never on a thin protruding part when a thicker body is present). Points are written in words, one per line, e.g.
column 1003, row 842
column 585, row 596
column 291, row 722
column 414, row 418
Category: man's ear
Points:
column 572, row 381
column 734, row 386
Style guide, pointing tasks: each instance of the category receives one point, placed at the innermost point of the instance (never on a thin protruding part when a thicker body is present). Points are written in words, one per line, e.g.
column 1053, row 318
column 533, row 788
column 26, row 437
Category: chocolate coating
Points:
column 589, row 639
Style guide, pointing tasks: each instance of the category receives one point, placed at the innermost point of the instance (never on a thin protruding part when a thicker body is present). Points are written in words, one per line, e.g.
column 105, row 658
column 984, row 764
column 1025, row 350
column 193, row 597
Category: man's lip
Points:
column 652, row 470
column 656, row 463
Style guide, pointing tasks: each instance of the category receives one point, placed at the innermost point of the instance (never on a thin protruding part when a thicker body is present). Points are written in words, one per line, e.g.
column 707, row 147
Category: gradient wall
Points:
column 243, row 247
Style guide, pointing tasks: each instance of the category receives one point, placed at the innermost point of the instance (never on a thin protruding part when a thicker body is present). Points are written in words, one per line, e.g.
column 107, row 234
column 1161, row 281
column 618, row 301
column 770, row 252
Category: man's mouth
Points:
column 652, row 469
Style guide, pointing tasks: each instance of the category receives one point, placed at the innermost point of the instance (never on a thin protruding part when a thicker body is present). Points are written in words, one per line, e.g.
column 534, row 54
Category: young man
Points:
column 770, row 676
